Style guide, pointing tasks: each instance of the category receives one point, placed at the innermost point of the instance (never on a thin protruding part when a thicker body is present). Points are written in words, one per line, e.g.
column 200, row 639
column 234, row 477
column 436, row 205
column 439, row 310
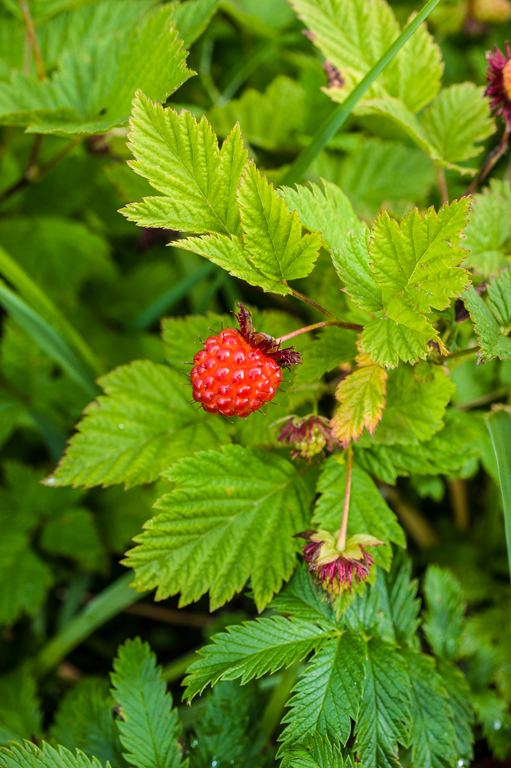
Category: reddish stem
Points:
column 341, row 541
column 338, row 323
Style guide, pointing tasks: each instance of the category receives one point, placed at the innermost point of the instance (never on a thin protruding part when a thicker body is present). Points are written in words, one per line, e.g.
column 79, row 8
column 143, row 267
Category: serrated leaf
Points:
column 405, row 336
column 327, row 697
column 24, row 578
column 251, row 650
column 444, row 453
column 333, row 347
column 492, row 342
column 180, row 158
column 315, row 752
column 398, row 600
column 361, row 398
column 142, row 424
column 499, row 298
column 352, row 264
column 192, row 18
column 453, row 138
column 85, row 721
column 231, row 517
column 432, row 736
column 30, row 756
column 445, row 609
column 368, row 511
column 417, row 398
column 149, row 727
column 303, row 600
column 385, row 710
column 20, row 715
column 271, row 234
column 458, row 695
column 353, row 38
column 324, row 209
column 488, row 233
column 92, row 93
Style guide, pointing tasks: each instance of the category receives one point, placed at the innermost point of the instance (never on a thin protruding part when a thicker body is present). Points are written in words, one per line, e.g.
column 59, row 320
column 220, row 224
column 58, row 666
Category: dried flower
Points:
column 336, row 569
column 307, row 435
column 498, row 76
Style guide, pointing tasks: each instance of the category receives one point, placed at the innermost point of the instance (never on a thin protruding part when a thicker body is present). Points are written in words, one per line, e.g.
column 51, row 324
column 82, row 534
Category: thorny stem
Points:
column 490, row 161
column 338, row 323
column 442, row 184
column 341, row 541
column 29, row 24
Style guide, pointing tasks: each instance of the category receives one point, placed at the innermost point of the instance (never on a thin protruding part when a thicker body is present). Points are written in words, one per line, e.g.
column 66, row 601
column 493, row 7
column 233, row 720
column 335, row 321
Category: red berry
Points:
column 233, row 378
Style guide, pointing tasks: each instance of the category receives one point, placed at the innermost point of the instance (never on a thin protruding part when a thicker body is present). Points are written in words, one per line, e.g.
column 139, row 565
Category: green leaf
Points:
column 85, row 721
column 30, row 756
column 20, row 716
column 416, row 401
column 79, row 100
column 324, row 209
column 385, row 710
column 432, row 736
column 499, row 426
column 488, row 233
column 231, row 517
column 74, row 534
column 459, row 698
column 251, row 650
column 149, row 728
column 352, row 264
column 361, row 397
column 492, row 342
column 333, row 347
column 369, row 513
column 181, row 335
column 354, row 38
column 457, row 121
column 180, row 158
column 398, row 600
column 142, row 424
column 24, row 578
column 303, row 600
column 327, row 697
column 315, row 753
column 192, row 18
column 404, row 336
column 493, row 711
column 499, row 298
column 271, row 234
column 443, row 619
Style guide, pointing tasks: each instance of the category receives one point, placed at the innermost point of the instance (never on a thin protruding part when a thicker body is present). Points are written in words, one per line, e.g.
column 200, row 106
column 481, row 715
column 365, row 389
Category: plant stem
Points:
column 330, row 127
column 499, row 427
column 29, row 24
column 462, row 353
column 274, row 709
column 442, row 184
column 338, row 323
column 341, row 541
column 306, row 300
column 490, row 161
column 489, row 397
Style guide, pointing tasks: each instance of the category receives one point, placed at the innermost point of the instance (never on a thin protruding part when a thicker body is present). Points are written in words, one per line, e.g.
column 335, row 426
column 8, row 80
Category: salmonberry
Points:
column 239, row 371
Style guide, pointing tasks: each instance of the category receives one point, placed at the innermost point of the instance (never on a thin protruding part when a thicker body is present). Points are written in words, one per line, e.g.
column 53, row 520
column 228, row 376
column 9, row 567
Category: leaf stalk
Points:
column 341, row 541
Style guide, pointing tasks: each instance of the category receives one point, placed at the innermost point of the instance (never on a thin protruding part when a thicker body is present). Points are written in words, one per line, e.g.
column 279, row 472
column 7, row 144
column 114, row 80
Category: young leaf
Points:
column 231, row 517
column 499, row 298
column 303, row 600
column 457, row 120
column 30, row 756
column 142, row 424
column 149, row 728
column 251, row 650
column 327, row 696
column 85, row 721
column 352, row 264
column 459, row 698
column 385, row 709
column 488, row 233
column 492, row 342
column 271, row 234
column 368, row 511
column 326, row 210
column 362, row 399
column 180, row 158
column 443, row 618
column 432, row 735
column 333, row 347
column 315, row 752
column 398, row 600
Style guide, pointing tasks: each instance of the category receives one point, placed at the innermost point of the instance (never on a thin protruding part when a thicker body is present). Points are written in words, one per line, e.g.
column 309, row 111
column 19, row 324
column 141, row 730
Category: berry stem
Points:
column 341, row 541
column 311, row 303
column 338, row 323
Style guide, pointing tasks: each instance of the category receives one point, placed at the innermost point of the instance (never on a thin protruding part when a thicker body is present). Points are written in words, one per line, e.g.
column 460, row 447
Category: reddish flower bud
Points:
column 498, row 76
column 307, row 436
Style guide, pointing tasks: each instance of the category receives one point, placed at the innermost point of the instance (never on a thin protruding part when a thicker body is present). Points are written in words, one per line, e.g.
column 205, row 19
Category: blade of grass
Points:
column 164, row 302
column 499, row 426
column 38, row 300
column 332, row 124
column 101, row 609
column 47, row 339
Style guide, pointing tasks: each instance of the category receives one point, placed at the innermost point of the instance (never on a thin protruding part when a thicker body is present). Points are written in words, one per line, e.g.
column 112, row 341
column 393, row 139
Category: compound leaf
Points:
column 142, row 424
column 303, row 600
column 251, row 650
column 149, row 727
column 499, row 298
column 333, row 347
column 488, row 233
column 231, row 517
column 458, row 695
column 30, row 756
column 443, row 618
column 352, row 264
column 20, row 715
column 492, row 342
column 316, row 752
column 398, row 600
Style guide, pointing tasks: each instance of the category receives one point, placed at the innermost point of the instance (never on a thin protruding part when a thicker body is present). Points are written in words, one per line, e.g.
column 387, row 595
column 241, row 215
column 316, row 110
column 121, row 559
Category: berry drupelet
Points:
column 237, row 372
